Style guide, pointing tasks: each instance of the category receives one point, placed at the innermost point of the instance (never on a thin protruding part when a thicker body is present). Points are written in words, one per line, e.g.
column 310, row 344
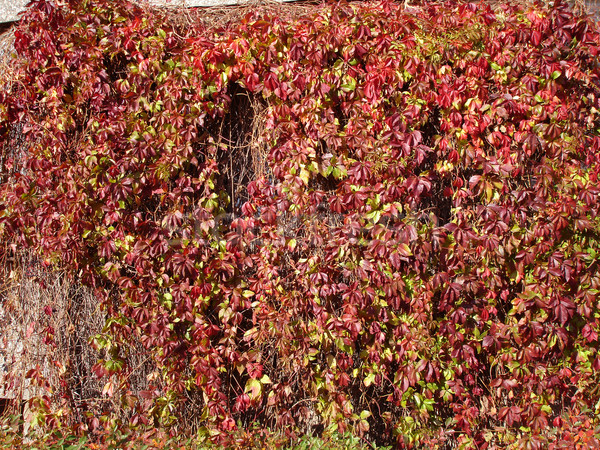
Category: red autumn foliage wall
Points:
column 417, row 258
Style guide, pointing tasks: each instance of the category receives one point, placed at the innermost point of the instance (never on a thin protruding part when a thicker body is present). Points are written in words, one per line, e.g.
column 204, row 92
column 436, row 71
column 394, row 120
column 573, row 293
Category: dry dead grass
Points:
column 210, row 19
column 48, row 320
column 7, row 39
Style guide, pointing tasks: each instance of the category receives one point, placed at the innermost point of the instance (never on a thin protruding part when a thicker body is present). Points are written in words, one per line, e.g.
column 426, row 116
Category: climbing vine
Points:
column 366, row 218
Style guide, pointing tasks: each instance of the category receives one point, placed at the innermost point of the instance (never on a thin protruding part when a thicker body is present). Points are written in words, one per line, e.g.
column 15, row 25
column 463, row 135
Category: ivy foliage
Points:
column 407, row 248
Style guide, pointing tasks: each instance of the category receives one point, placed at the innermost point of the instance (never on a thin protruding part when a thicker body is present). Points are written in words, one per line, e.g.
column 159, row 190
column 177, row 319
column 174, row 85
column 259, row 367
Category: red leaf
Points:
column 255, row 370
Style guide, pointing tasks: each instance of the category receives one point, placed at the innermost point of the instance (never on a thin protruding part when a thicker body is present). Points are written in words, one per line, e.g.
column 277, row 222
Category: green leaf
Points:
column 404, row 250
column 304, row 175
column 369, row 379
column 253, row 389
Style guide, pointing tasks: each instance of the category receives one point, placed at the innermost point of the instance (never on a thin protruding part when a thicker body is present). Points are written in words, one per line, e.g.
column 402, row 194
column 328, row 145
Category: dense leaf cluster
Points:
column 414, row 256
